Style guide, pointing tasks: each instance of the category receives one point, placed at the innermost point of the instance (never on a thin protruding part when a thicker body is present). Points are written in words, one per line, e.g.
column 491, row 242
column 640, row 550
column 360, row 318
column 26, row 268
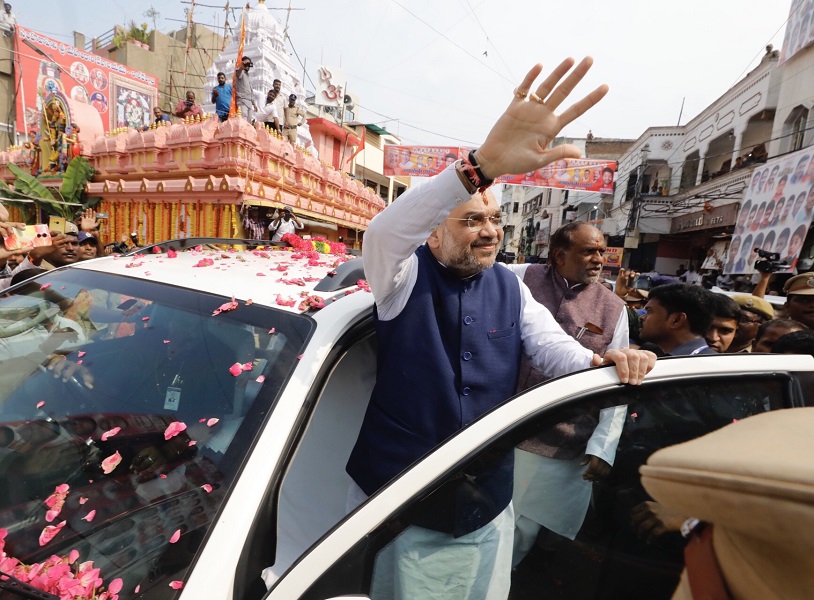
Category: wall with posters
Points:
column 123, row 97
column 799, row 29
column 776, row 212
column 583, row 174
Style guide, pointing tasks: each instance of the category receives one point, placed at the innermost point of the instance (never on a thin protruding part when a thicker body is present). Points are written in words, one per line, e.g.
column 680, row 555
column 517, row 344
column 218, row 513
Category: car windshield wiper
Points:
column 11, row 584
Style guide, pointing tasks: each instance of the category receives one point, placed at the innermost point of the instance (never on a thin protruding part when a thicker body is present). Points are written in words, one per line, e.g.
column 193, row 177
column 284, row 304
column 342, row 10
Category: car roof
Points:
column 276, row 277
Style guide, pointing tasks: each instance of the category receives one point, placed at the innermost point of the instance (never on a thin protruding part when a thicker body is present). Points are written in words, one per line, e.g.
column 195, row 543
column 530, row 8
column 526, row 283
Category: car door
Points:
column 608, row 557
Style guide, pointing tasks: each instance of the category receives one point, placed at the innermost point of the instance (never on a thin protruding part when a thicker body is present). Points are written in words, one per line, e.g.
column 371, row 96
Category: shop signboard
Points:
column 776, row 212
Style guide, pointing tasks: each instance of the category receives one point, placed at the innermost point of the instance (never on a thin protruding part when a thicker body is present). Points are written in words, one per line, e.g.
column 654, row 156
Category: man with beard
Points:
column 596, row 317
column 451, row 330
column 285, row 223
column 222, row 97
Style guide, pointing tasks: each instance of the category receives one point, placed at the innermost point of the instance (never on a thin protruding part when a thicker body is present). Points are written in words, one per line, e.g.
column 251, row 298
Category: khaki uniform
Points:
column 291, row 120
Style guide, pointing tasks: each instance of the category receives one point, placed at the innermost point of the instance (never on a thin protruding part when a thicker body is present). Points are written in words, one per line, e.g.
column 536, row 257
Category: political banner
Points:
column 799, row 29
column 122, row 96
column 776, row 213
column 582, row 174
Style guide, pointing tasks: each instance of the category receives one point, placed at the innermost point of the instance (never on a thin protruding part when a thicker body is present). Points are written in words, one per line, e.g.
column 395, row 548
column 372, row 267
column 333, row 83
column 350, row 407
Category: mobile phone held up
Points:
column 56, row 224
column 32, row 236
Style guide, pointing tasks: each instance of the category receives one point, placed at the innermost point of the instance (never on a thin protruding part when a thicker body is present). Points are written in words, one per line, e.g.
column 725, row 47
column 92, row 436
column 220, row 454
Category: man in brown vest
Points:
column 568, row 287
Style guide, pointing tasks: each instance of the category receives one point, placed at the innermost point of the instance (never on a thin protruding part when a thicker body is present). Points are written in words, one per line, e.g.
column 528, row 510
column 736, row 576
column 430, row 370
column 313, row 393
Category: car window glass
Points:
column 605, row 554
column 129, row 458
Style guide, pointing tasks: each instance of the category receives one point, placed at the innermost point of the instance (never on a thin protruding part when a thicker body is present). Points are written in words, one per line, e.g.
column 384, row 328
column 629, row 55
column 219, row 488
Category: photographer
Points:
column 283, row 224
column 187, row 107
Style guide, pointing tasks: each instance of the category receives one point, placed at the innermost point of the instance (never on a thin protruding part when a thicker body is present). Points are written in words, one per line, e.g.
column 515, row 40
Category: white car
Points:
column 182, row 418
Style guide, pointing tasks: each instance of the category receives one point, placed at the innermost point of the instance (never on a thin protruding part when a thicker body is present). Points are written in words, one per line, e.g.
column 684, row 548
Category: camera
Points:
column 769, row 262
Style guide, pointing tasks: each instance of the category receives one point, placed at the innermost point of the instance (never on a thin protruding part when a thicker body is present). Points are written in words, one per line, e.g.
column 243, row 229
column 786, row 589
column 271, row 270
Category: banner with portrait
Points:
column 776, row 212
column 799, row 29
column 48, row 66
column 582, row 174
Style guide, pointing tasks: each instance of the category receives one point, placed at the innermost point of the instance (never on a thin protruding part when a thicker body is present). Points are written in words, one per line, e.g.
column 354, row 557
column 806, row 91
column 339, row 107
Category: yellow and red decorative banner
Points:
column 123, row 97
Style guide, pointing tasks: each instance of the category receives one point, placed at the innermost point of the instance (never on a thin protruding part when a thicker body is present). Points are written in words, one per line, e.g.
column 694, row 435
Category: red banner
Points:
column 583, row 174
column 123, row 97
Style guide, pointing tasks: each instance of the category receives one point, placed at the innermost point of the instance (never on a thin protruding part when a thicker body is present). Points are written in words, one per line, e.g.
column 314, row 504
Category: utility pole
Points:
column 632, row 232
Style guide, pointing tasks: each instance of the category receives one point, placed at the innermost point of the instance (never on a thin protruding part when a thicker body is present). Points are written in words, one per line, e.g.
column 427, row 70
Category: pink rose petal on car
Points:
column 90, row 516
column 166, row 341
column 82, row 499
column 236, row 369
column 171, row 253
column 212, row 422
column 261, row 274
column 272, row 331
column 110, row 433
column 72, row 556
column 137, row 589
column 50, row 531
column 176, row 585
column 56, row 501
column 175, row 536
column 191, row 443
column 225, row 307
column 115, row 586
column 44, row 286
column 248, row 366
column 174, row 429
column 41, row 403
column 145, row 318
column 207, row 488
column 261, row 379
column 81, row 354
column 111, row 462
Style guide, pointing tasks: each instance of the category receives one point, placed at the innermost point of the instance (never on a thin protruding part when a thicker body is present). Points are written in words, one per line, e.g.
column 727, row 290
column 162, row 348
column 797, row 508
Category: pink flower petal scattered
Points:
column 735, row 420
column 191, row 443
column 90, row 516
column 261, row 274
column 138, row 587
column 202, row 420
column 156, row 250
column 211, row 422
column 207, row 488
column 634, row 415
column 111, row 462
column 272, row 331
column 236, row 369
column 261, row 379
column 115, row 586
column 248, row 366
column 174, row 429
column 82, row 499
column 176, row 585
column 44, row 286
column 81, row 354
column 79, row 362
column 41, row 403
column 166, row 341
column 204, row 262
column 225, row 307
column 110, row 433
column 162, row 476
column 284, row 301
column 56, row 501
column 72, row 556
column 50, row 531
column 299, row 357
column 171, row 253
column 145, row 318
column 175, row 536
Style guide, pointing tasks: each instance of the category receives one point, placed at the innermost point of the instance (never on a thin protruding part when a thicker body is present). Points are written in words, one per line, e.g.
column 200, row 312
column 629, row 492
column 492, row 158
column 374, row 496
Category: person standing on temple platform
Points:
column 253, row 223
column 243, row 90
column 269, row 114
column 283, row 223
column 293, row 117
column 188, row 108
column 158, row 118
column 7, row 20
column 280, row 102
column 222, row 97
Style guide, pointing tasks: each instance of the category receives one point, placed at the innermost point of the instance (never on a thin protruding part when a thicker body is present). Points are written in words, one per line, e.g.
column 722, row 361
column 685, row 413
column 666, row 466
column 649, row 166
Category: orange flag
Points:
column 238, row 62
column 361, row 145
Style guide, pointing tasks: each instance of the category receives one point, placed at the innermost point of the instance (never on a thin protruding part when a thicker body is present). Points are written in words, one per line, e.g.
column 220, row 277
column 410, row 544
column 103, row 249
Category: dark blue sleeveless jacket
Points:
column 451, row 355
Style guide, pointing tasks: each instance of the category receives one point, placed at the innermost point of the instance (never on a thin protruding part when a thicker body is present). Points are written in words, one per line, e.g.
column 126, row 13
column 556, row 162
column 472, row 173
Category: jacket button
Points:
column 467, row 356
column 468, row 320
column 466, row 391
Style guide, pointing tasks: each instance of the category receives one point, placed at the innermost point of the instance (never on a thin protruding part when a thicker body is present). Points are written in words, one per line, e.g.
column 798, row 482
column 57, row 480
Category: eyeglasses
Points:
column 478, row 222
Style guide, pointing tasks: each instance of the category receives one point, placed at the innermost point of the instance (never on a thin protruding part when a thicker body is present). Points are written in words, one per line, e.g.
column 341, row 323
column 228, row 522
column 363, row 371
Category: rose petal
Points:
column 174, row 429
column 163, row 476
column 72, row 556
column 82, row 499
column 248, row 366
column 261, row 274
column 138, row 587
column 79, row 362
column 191, row 443
column 44, row 286
column 90, row 516
column 261, row 379
column 175, row 536
column 212, row 422
column 166, row 341
column 80, row 354
column 176, row 585
column 236, row 369
column 171, row 253
column 110, row 433
column 115, row 586
column 50, row 531
column 111, row 462
column 272, row 331
column 145, row 318
column 207, row 488
column 41, row 403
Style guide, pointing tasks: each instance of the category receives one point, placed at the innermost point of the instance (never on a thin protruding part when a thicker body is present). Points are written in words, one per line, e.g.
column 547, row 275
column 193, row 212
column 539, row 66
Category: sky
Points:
column 441, row 72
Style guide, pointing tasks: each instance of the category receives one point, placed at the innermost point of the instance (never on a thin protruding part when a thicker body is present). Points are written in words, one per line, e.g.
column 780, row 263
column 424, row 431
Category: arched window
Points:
column 795, row 128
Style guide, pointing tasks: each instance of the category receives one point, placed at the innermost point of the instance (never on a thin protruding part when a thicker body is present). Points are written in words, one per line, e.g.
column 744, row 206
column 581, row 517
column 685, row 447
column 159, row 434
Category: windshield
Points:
column 126, row 409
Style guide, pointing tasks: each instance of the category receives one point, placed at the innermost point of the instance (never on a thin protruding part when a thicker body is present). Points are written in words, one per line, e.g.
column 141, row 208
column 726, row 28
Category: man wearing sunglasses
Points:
column 243, row 90
column 451, row 332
